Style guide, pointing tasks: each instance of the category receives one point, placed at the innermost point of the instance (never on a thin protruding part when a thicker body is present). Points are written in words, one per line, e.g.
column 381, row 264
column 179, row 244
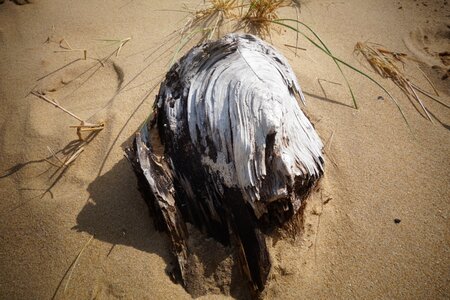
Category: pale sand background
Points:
column 384, row 170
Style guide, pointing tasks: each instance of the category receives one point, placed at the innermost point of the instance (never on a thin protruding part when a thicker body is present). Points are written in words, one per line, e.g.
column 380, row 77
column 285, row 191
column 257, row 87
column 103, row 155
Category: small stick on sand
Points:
column 74, row 156
column 95, row 127
column 122, row 43
column 52, row 163
column 68, row 48
column 75, row 263
column 56, row 157
column 84, row 126
column 53, row 102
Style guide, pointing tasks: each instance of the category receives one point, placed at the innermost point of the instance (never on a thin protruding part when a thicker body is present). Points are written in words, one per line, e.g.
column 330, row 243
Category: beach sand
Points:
column 377, row 168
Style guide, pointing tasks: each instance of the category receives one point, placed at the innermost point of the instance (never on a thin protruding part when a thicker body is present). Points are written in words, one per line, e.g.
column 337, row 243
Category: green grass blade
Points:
column 337, row 60
column 280, row 22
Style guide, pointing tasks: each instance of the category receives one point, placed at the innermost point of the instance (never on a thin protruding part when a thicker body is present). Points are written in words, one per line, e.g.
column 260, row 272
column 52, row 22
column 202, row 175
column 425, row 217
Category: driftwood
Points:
column 228, row 150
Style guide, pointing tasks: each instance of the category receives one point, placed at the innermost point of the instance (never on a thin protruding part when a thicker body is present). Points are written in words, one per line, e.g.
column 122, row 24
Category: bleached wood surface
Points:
column 236, row 153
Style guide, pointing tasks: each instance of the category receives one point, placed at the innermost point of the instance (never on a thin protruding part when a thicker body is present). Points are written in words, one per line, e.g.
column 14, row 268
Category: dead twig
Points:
column 71, row 158
column 68, row 48
column 84, row 126
column 56, row 104
column 61, row 163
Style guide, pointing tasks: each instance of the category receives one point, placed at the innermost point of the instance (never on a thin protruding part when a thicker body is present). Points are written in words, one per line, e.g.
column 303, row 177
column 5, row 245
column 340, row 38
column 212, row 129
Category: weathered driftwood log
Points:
column 227, row 149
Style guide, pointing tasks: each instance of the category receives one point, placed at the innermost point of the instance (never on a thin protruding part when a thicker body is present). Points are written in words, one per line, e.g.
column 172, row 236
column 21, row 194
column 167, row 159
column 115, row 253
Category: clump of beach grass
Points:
column 260, row 14
column 387, row 63
column 211, row 17
column 254, row 16
column 259, row 17
column 206, row 22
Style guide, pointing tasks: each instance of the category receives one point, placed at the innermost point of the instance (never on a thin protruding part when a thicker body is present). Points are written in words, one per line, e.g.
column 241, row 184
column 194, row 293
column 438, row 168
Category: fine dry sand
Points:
column 377, row 168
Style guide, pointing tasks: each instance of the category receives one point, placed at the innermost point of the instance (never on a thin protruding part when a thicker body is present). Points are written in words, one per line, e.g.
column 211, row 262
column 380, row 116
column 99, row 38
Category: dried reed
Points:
column 84, row 126
column 387, row 63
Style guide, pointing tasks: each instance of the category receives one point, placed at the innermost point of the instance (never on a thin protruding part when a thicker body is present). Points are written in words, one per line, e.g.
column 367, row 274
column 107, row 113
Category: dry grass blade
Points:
column 55, row 156
column 327, row 51
column 62, row 164
column 84, row 126
column 56, row 104
column 73, row 156
column 224, row 6
column 64, row 44
column 206, row 22
column 71, row 152
column 75, row 263
column 429, row 95
column 70, row 270
column 121, row 43
column 327, row 150
column 212, row 17
column 429, row 81
column 260, row 15
column 88, row 127
column 319, row 214
column 386, row 64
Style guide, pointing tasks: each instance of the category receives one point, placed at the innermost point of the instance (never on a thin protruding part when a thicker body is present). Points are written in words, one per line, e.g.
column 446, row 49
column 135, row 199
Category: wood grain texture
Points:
column 237, row 154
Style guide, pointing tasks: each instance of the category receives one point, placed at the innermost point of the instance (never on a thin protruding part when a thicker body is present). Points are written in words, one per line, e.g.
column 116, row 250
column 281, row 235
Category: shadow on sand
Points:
column 117, row 214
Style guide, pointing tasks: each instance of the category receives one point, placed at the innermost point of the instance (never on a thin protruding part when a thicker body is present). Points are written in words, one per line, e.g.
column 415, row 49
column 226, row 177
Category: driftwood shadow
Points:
column 115, row 213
